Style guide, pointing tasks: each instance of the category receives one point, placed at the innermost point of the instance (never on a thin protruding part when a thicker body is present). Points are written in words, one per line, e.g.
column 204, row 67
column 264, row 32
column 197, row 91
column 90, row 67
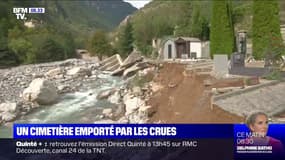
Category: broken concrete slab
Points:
column 133, row 58
column 111, row 63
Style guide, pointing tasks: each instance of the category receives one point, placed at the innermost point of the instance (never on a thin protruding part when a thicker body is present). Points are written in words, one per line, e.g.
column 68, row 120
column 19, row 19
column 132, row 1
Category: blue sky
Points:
column 138, row 3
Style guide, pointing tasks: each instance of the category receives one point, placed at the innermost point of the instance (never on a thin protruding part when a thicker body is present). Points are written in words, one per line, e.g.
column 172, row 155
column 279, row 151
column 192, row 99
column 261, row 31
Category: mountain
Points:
column 78, row 16
column 65, row 25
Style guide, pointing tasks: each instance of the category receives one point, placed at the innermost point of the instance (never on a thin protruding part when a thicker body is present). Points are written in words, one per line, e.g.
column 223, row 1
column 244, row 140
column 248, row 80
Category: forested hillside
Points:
column 159, row 19
column 64, row 26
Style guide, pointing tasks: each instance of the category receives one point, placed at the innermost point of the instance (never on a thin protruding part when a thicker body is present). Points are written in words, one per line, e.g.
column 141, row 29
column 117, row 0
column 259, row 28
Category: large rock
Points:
column 108, row 112
column 147, row 110
column 41, row 91
column 137, row 91
column 132, row 59
column 132, row 103
column 79, row 71
column 115, row 98
column 8, row 107
column 7, row 116
column 105, row 93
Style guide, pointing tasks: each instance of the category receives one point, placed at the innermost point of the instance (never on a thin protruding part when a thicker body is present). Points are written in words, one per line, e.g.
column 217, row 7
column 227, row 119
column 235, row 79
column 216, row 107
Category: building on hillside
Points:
column 181, row 48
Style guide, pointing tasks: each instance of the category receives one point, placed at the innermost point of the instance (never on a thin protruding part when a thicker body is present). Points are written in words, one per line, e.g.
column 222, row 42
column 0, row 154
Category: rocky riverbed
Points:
column 71, row 91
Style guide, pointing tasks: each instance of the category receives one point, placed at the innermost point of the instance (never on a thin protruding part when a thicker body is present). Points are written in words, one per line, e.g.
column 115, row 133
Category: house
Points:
column 181, row 48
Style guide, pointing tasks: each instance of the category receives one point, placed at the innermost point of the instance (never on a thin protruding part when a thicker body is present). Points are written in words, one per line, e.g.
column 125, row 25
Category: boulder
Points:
column 137, row 91
column 132, row 103
column 7, row 116
column 147, row 110
column 105, row 94
column 115, row 98
column 41, row 91
column 79, row 71
column 107, row 112
column 8, row 107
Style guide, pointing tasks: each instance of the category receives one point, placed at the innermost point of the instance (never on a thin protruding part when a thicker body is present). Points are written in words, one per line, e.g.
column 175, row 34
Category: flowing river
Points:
column 78, row 107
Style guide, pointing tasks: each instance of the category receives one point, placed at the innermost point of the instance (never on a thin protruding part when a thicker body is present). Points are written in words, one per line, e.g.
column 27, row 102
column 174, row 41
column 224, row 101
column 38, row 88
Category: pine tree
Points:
column 126, row 40
column 265, row 27
column 221, row 31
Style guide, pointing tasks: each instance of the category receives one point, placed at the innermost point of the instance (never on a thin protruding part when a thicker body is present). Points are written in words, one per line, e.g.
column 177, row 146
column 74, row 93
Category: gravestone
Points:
column 221, row 65
column 237, row 60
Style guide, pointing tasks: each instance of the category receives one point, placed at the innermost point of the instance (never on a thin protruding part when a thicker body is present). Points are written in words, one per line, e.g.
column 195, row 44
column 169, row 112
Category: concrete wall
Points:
column 196, row 47
column 206, row 49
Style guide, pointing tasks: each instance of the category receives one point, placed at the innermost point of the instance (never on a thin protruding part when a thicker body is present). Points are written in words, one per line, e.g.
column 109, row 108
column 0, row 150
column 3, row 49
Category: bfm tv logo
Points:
column 21, row 12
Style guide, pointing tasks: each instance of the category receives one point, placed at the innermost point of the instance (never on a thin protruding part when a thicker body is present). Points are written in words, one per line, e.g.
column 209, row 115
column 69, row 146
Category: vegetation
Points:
column 160, row 19
column 99, row 44
column 58, row 32
column 222, row 31
column 125, row 40
column 266, row 27
column 196, row 24
column 76, row 24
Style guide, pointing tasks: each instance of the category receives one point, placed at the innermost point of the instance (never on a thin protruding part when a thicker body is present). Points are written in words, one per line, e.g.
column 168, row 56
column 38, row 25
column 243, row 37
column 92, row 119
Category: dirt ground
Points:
column 185, row 99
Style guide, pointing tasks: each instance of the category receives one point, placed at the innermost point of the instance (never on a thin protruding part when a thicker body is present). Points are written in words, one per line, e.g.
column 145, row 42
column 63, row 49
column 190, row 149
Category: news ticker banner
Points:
column 122, row 131
column 219, row 141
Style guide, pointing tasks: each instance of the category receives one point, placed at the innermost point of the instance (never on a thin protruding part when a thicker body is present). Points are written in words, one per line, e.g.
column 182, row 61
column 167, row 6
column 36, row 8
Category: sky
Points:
column 138, row 3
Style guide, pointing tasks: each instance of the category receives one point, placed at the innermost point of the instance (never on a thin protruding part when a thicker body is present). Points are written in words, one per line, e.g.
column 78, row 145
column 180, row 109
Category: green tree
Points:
column 7, row 57
column 184, row 25
column 21, row 48
column 46, row 51
column 126, row 40
column 99, row 44
column 265, row 26
column 222, row 32
column 196, row 23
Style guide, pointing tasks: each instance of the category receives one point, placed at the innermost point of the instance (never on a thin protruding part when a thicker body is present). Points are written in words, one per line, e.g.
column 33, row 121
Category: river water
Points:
column 78, row 107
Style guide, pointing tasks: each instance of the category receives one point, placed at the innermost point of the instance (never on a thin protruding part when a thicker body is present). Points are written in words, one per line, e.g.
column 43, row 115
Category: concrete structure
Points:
column 267, row 97
column 180, row 48
column 221, row 67
column 111, row 63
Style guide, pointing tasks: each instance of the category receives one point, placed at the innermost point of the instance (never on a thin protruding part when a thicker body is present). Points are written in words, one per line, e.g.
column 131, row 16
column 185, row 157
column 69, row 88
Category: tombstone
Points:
column 237, row 60
column 241, row 42
column 221, row 65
